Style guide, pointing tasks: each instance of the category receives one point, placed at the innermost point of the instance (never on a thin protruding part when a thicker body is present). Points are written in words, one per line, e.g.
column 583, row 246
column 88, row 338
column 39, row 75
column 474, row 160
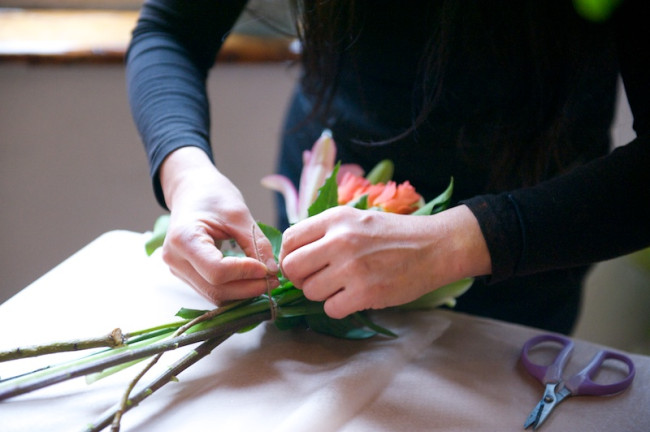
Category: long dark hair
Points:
column 529, row 142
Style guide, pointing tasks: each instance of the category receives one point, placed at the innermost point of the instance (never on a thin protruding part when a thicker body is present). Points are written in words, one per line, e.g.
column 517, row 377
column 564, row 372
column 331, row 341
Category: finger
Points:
column 343, row 303
column 202, row 254
column 320, row 285
column 256, row 245
column 304, row 232
column 235, row 290
column 191, row 244
column 306, row 262
column 231, row 269
column 243, row 289
column 185, row 272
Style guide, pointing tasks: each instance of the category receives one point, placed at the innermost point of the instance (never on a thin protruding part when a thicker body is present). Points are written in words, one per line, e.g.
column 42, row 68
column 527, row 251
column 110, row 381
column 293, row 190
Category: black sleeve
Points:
column 173, row 46
column 595, row 212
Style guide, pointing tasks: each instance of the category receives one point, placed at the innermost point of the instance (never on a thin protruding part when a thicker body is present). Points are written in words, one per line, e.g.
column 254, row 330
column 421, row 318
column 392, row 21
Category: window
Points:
column 77, row 4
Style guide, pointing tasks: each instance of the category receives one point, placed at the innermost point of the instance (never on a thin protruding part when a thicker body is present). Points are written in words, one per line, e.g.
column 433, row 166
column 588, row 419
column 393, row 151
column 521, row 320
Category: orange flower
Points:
column 351, row 187
column 394, row 198
column 390, row 197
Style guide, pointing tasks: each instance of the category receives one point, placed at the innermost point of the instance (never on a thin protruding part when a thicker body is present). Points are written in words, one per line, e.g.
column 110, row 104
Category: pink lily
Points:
column 318, row 164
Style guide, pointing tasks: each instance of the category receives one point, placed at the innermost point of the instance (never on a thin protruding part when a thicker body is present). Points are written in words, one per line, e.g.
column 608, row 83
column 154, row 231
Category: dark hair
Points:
column 528, row 142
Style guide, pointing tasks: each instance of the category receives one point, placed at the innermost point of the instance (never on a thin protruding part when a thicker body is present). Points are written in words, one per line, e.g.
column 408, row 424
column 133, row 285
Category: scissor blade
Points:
column 549, row 403
column 543, row 415
column 543, row 408
column 533, row 417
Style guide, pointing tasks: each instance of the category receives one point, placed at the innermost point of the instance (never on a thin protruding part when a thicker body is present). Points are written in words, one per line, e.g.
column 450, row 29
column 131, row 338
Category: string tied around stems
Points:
column 273, row 307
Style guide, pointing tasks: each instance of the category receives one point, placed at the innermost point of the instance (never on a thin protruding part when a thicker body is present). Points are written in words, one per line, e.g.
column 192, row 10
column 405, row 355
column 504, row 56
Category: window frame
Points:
column 72, row 4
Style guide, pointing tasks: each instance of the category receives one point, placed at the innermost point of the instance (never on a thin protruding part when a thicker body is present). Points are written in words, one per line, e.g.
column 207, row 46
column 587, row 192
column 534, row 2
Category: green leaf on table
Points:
column 158, row 236
column 362, row 318
column 328, row 195
column 439, row 203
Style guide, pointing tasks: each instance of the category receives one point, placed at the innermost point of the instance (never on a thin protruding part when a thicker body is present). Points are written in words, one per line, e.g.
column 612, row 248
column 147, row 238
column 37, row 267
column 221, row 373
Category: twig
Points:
column 115, row 427
column 112, row 340
column 169, row 375
column 9, row 390
column 124, row 401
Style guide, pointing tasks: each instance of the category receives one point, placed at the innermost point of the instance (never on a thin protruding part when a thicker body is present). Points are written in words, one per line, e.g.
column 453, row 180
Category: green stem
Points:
column 178, row 324
column 12, row 389
column 162, row 327
column 258, row 305
column 300, row 310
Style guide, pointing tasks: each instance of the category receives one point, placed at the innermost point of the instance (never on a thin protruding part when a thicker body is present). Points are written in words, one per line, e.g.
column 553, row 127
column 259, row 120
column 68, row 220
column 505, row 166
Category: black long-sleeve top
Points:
column 540, row 237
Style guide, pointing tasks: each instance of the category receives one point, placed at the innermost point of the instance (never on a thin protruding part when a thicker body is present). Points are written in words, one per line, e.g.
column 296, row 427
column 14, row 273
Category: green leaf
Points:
column 283, row 289
column 287, row 323
column 158, row 236
column 443, row 296
column 345, row 328
column 189, row 314
column 382, row 172
column 328, row 195
column 302, row 307
column 247, row 329
column 438, row 204
column 362, row 318
column 94, row 377
column 360, row 203
column 596, row 10
column 274, row 235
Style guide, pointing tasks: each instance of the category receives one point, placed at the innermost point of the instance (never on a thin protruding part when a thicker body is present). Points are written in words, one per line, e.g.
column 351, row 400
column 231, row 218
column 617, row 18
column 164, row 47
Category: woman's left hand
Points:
column 359, row 259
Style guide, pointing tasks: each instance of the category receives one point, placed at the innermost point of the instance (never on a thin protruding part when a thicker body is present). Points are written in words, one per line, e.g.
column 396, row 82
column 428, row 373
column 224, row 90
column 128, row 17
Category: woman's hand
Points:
column 359, row 259
column 207, row 208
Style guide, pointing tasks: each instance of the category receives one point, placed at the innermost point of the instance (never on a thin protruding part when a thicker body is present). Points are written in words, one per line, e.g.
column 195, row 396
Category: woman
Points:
column 512, row 99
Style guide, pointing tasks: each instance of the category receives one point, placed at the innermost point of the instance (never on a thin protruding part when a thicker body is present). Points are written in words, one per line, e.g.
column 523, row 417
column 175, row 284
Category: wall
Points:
column 72, row 166
column 616, row 303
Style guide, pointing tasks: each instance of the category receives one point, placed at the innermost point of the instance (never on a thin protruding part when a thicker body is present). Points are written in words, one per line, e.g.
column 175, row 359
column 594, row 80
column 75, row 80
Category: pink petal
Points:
column 318, row 164
column 282, row 184
column 353, row 169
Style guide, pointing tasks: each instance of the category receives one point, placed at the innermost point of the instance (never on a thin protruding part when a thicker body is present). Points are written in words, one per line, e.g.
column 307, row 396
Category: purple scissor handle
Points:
column 557, row 388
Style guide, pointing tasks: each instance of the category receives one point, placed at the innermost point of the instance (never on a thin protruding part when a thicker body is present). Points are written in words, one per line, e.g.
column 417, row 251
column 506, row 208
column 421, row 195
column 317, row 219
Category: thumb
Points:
column 257, row 245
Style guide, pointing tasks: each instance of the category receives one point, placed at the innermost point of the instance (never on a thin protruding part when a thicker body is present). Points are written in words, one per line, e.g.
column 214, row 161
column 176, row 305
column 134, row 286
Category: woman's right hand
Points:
column 207, row 208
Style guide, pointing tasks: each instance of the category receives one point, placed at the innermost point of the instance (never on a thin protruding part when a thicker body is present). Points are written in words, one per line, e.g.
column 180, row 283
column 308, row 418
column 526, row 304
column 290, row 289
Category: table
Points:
column 445, row 372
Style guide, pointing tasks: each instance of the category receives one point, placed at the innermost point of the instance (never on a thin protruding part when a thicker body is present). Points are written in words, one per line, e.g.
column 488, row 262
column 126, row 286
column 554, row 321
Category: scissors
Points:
column 557, row 388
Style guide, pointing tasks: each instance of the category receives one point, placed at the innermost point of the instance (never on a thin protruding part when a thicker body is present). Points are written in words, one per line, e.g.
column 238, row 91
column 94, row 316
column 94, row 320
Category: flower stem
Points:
column 228, row 327
column 169, row 375
column 127, row 393
column 112, row 340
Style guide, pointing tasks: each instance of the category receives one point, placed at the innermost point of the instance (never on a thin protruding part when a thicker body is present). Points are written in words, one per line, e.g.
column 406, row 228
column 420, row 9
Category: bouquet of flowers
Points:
column 323, row 185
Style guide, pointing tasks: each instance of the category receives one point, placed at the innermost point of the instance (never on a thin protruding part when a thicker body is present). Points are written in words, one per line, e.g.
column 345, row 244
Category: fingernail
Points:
column 272, row 266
